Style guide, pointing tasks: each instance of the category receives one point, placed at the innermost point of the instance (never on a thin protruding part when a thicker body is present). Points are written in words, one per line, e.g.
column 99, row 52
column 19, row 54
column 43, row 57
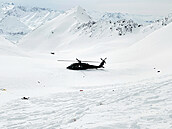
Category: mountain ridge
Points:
column 32, row 18
column 107, row 25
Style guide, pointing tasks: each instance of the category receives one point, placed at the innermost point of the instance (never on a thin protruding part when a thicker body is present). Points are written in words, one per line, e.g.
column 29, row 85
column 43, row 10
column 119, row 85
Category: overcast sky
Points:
column 153, row 7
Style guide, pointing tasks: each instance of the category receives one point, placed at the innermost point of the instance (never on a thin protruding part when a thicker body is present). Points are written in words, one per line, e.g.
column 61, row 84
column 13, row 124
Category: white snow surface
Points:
column 133, row 91
column 144, row 105
column 9, row 49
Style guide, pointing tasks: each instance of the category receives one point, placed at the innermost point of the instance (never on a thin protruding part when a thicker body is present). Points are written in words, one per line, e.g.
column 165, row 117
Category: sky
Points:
column 152, row 7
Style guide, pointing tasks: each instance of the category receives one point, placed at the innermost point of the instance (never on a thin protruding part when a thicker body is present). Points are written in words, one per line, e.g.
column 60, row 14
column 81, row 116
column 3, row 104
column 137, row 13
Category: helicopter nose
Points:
column 68, row 67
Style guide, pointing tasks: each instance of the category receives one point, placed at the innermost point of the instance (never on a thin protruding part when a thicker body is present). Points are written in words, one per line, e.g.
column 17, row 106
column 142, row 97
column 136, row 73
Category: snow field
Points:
column 145, row 104
column 104, row 98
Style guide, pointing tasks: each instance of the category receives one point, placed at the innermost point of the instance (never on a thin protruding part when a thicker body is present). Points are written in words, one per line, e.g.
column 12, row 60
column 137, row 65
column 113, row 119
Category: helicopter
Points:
column 85, row 66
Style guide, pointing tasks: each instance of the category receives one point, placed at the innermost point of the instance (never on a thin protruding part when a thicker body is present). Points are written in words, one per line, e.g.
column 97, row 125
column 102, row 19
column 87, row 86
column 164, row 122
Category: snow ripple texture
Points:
column 143, row 105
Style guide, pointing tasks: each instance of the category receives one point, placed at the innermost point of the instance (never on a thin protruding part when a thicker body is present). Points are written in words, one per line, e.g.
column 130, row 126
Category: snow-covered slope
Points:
column 156, row 43
column 57, row 36
column 130, row 61
column 73, row 29
column 56, row 32
column 21, row 20
column 61, row 98
column 9, row 49
column 153, row 52
column 132, row 91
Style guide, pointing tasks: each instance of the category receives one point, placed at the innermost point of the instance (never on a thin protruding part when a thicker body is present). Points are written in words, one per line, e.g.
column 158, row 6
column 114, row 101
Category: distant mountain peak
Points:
column 80, row 14
column 7, row 6
column 77, row 9
column 80, row 9
column 7, row 3
column 17, row 21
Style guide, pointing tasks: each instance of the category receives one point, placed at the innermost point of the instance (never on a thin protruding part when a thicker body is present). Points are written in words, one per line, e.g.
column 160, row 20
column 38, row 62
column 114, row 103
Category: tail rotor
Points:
column 102, row 63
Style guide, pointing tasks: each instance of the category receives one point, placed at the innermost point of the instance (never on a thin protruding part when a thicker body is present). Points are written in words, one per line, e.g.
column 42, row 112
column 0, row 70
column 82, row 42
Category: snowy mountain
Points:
column 114, row 17
column 125, row 23
column 133, row 91
column 17, row 21
column 12, row 28
column 157, row 24
column 57, row 31
column 102, row 29
column 75, row 26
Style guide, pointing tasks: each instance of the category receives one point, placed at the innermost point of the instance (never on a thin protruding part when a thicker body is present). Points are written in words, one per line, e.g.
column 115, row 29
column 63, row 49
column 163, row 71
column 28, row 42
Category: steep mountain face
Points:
column 102, row 29
column 113, row 24
column 114, row 17
column 57, row 31
column 17, row 21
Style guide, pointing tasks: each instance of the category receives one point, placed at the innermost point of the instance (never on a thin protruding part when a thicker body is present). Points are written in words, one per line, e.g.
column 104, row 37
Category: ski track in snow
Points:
column 140, row 105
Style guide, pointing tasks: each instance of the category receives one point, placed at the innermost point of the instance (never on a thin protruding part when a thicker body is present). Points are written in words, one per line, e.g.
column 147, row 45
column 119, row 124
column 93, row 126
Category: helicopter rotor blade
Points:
column 91, row 61
column 81, row 61
column 67, row 60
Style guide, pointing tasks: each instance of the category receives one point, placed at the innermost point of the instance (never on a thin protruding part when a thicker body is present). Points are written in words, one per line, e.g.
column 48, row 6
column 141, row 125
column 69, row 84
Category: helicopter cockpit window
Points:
column 74, row 66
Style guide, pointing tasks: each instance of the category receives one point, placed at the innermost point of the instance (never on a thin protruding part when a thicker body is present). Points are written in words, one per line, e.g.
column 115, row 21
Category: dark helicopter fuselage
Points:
column 82, row 66
column 85, row 66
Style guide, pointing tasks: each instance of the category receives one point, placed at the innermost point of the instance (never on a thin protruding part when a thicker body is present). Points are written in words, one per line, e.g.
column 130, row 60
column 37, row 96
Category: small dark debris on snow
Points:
column 99, row 104
column 158, row 71
column 81, row 90
column 25, row 98
column 39, row 82
column 154, row 68
column 53, row 53
column 3, row 89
